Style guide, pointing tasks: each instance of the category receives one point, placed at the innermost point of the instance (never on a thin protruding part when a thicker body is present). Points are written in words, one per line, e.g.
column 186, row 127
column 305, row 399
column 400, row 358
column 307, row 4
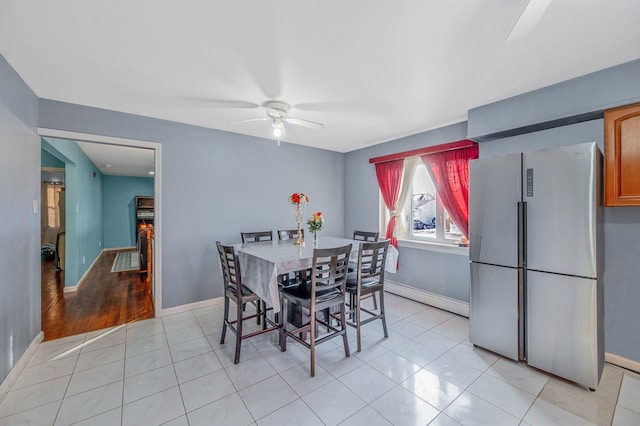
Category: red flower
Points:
column 298, row 197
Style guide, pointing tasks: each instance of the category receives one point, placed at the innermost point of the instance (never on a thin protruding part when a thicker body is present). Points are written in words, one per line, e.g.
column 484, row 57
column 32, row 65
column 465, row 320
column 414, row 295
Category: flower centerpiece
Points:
column 298, row 199
column 315, row 224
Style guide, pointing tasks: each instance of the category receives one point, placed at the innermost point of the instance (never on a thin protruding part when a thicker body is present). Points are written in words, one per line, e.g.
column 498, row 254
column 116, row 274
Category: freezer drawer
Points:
column 564, row 336
column 493, row 314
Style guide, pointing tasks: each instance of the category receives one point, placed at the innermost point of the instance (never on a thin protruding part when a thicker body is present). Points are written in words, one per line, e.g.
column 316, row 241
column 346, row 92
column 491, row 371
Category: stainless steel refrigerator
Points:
column 535, row 232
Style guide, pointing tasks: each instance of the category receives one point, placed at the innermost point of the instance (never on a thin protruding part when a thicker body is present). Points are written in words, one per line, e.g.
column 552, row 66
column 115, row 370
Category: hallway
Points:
column 105, row 299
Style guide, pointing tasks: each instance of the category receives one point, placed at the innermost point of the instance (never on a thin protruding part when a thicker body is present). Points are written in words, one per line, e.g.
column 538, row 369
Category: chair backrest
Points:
column 230, row 267
column 329, row 269
column 290, row 234
column 256, row 237
column 371, row 260
column 365, row 236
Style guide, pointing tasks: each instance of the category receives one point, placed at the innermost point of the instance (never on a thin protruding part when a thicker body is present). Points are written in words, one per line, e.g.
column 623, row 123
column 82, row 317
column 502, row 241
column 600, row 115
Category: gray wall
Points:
column 445, row 274
column 597, row 91
column 19, row 226
column 215, row 185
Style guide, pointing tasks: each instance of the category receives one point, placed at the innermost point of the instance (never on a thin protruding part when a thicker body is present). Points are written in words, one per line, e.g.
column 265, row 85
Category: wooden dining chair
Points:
column 241, row 295
column 367, row 279
column 325, row 290
column 256, row 237
column 289, row 234
column 297, row 277
column 367, row 236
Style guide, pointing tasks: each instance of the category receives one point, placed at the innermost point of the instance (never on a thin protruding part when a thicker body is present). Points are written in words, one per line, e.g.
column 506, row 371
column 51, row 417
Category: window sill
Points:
column 437, row 247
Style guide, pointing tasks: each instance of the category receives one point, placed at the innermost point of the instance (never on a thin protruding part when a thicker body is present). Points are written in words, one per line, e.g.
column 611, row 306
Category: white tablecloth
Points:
column 261, row 263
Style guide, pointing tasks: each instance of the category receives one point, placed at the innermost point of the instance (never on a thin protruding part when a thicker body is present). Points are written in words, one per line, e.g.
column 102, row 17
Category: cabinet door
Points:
column 622, row 156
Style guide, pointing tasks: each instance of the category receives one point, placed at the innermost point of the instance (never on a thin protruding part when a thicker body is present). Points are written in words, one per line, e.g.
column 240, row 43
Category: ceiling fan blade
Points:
column 217, row 103
column 331, row 106
column 247, row 120
column 230, row 103
column 305, row 123
column 528, row 19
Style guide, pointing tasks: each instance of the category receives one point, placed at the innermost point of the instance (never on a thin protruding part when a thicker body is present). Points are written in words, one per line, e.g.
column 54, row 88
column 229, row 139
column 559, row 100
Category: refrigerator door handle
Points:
column 522, row 238
column 523, row 228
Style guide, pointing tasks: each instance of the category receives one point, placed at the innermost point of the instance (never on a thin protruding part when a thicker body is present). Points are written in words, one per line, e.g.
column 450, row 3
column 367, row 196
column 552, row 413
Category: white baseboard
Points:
column 189, row 307
column 20, row 365
column 73, row 288
column 627, row 363
column 423, row 296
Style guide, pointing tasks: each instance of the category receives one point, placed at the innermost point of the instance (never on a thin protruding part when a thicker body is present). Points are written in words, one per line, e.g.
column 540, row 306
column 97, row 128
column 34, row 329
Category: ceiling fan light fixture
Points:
column 278, row 129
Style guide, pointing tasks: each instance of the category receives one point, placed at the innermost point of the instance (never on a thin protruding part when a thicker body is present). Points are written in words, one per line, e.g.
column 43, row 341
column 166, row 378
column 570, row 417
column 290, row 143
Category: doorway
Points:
column 96, row 282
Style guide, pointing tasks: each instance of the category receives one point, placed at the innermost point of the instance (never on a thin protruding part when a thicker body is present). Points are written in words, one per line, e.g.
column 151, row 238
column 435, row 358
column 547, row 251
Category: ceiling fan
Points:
column 277, row 113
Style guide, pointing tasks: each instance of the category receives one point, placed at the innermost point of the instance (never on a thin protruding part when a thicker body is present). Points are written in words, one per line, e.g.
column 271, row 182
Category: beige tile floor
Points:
column 174, row 371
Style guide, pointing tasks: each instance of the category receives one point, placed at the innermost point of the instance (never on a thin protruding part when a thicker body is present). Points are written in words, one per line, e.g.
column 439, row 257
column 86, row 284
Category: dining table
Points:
column 262, row 262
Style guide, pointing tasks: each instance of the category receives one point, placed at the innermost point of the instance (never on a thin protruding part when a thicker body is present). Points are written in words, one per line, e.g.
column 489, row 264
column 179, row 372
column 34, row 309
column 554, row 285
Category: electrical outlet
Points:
column 35, row 207
column 99, row 243
column 83, row 260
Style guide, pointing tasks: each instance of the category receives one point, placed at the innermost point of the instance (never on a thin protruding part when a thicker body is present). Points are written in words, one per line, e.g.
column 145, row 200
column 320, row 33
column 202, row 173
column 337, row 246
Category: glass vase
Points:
column 315, row 239
column 299, row 241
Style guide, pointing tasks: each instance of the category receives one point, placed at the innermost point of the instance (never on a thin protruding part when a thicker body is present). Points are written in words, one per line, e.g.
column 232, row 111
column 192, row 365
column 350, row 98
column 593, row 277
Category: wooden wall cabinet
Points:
column 622, row 156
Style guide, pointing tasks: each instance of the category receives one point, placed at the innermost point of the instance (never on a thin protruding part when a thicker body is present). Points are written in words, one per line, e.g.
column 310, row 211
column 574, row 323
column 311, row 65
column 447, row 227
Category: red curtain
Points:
column 389, row 176
column 449, row 171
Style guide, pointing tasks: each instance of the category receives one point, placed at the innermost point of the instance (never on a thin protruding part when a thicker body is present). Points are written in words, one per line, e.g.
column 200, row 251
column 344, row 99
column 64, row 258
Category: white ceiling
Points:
column 118, row 160
column 371, row 71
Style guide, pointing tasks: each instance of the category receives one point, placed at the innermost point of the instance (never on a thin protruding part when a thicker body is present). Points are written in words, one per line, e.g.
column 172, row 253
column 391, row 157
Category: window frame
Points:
column 438, row 243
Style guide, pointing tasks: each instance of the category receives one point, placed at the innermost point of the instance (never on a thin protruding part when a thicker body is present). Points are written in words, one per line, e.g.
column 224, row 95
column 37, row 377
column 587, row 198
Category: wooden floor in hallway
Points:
column 105, row 299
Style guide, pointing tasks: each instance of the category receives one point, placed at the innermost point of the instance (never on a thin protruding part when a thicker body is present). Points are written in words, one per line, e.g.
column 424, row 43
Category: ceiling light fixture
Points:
column 278, row 129
column 152, row 172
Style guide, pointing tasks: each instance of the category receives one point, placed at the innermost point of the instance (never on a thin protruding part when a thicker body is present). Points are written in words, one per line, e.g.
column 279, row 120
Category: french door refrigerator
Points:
column 535, row 250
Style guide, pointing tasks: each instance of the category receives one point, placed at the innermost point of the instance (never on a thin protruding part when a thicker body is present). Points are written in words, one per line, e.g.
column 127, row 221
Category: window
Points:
column 416, row 202
column 424, row 215
column 429, row 219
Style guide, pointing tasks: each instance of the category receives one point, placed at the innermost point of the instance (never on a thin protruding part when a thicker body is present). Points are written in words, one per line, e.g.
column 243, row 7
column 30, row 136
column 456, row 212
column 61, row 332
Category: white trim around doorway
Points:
column 157, row 147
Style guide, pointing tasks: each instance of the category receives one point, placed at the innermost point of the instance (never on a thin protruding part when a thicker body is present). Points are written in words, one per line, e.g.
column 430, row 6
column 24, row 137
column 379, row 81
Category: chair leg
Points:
column 384, row 317
column 283, row 324
column 225, row 320
column 327, row 318
column 343, row 324
column 238, row 334
column 352, row 304
column 375, row 303
column 312, row 331
column 264, row 315
column 258, row 311
column 358, row 313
